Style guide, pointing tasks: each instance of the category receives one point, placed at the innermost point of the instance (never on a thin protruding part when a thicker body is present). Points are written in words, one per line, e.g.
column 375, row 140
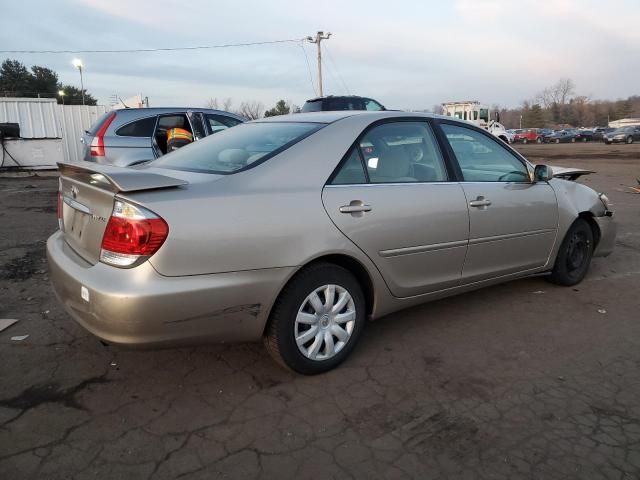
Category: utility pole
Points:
column 317, row 39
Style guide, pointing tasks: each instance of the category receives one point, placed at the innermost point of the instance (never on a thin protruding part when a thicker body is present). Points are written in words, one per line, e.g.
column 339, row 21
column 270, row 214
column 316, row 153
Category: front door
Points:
column 392, row 197
column 513, row 222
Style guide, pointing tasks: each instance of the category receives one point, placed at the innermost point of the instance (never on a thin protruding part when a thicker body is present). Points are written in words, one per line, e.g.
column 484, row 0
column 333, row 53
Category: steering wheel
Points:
column 514, row 172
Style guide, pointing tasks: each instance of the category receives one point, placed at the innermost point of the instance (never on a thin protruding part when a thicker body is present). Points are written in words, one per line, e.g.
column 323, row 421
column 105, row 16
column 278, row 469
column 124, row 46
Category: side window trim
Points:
column 454, row 159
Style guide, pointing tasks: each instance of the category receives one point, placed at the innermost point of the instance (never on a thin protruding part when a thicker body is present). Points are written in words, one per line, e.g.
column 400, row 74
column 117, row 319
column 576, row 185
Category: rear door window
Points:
column 139, row 128
column 402, row 152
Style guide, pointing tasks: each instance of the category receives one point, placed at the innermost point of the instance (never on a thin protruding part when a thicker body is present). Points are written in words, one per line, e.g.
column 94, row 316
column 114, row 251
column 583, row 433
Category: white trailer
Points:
column 474, row 112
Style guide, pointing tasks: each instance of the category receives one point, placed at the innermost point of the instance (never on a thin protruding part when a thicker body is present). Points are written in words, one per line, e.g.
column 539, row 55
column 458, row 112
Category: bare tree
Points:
column 564, row 90
column 251, row 109
column 225, row 105
column 559, row 93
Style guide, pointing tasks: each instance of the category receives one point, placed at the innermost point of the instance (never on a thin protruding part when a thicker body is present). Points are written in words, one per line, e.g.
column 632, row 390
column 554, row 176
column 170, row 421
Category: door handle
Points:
column 480, row 202
column 355, row 208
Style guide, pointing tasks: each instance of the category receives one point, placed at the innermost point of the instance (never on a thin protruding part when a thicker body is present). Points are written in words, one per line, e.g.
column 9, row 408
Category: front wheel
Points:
column 524, row 140
column 538, row 140
column 573, row 140
column 629, row 140
column 317, row 319
column 557, row 140
column 574, row 256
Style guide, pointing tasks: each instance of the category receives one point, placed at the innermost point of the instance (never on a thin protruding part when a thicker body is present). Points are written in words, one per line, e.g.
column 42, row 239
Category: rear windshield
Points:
column 237, row 148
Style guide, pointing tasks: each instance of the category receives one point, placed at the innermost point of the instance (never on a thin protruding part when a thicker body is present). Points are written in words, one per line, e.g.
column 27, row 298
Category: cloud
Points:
column 410, row 56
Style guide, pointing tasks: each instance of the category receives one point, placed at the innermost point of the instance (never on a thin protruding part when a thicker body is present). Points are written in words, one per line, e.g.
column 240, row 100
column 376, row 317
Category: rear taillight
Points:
column 132, row 235
column 97, row 144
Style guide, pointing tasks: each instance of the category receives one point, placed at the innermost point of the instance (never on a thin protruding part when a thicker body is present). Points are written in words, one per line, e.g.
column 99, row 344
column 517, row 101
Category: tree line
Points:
column 253, row 109
column 559, row 105
column 16, row 80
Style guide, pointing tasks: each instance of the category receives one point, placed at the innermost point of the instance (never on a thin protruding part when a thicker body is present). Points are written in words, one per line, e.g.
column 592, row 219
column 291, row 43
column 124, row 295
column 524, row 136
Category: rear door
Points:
column 392, row 196
column 513, row 222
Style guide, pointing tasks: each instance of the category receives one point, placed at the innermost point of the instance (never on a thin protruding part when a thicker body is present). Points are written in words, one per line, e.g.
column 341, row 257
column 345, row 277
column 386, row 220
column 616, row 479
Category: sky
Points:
column 406, row 54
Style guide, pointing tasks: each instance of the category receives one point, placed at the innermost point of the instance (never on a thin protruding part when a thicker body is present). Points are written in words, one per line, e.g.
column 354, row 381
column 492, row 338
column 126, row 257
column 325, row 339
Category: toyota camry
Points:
column 299, row 229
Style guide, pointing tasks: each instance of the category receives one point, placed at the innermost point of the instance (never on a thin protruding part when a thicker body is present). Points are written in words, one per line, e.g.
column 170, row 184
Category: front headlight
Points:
column 605, row 201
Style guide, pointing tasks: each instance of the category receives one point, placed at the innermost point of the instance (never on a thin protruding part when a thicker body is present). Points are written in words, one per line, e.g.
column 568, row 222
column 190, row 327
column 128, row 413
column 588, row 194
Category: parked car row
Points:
column 571, row 135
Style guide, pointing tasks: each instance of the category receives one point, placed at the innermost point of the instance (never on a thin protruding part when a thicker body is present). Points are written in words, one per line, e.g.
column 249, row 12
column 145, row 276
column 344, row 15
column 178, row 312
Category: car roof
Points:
column 317, row 99
column 334, row 116
column 159, row 110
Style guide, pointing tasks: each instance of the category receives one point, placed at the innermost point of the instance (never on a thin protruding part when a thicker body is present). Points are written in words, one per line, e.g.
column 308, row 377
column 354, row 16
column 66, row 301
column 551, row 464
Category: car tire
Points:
column 584, row 139
column 525, row 141
column 557, row 140
column 574, row 256
column 294, row 314
column 629, row 140
column 573, row 140
column 538, row 140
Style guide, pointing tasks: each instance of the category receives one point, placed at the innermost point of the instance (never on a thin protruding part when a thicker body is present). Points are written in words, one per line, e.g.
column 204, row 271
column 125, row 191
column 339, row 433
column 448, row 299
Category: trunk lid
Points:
column 87, row 195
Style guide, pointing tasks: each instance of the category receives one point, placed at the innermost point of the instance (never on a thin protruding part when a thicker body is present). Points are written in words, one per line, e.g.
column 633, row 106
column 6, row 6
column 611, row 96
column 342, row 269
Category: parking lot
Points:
column 521, row 380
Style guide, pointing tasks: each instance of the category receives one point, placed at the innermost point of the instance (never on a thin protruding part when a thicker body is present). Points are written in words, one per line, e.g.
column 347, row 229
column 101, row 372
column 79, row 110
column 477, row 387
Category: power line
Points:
column 168, row 49
column 333, row 65
column 306, row 58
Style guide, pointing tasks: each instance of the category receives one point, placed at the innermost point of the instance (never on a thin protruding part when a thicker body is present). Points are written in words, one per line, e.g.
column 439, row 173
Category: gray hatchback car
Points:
column 136, row 135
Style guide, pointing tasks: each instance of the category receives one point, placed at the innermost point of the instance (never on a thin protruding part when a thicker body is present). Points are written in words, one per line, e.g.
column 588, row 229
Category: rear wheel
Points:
column 574, row 256
column 573, row 140
column 557, row 140
column 524, row 140
column 317, row 320
column 539, row 140
column 629, row 140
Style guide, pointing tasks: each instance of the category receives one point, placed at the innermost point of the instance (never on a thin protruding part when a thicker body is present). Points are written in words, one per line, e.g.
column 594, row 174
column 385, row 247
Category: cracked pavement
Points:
column 522, row 380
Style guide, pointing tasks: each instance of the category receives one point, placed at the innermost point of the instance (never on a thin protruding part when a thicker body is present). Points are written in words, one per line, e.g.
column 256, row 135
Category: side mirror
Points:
column 542, row 173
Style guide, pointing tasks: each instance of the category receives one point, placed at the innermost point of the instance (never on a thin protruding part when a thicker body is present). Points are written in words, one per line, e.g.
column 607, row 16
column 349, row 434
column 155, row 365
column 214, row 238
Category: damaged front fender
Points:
column 578, row 200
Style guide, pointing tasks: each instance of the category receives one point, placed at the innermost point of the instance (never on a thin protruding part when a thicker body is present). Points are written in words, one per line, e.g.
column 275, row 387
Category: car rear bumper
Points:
column 139, row 306
column 608, row 229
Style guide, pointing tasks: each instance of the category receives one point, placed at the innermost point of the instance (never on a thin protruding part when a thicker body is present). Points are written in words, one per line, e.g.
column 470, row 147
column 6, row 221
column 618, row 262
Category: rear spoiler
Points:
column 569, row 173
column 117, row 179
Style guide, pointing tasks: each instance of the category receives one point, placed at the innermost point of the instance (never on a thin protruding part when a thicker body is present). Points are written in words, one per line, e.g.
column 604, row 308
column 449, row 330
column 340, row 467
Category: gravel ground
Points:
column 521, row 380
